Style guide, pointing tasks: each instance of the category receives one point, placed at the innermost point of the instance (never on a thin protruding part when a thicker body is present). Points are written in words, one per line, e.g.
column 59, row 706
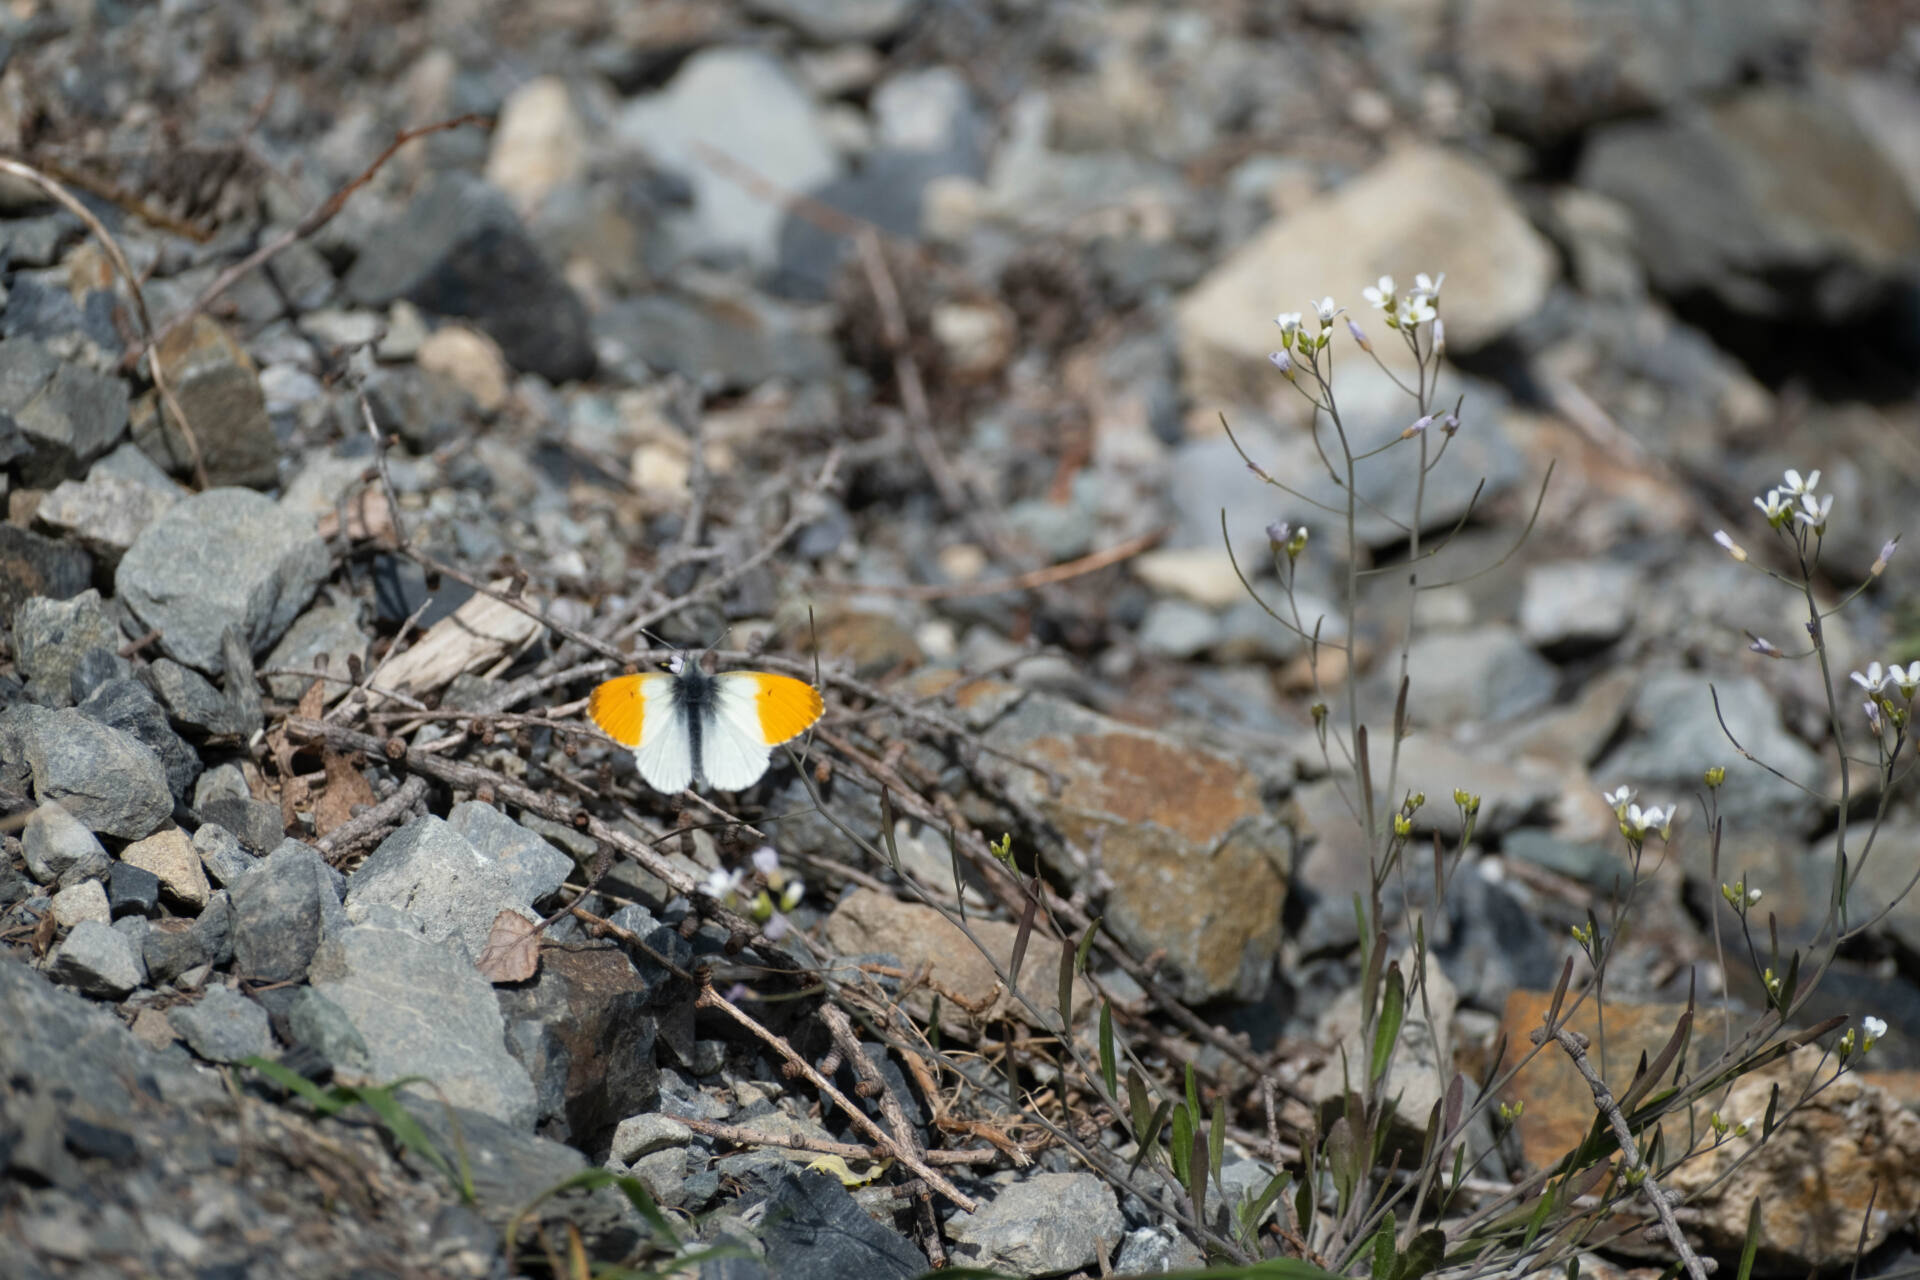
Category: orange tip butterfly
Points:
column 685, row 726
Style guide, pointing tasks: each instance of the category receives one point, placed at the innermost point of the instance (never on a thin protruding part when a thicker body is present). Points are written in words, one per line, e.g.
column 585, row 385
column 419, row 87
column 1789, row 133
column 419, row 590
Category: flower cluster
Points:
column 1738, row 896
column 1793, row 503
column 1636, row 824
column 1881, row 685
column 768, row 907
column 1294, row 335
column 1285, row 536
column 1870, row 1030
column 1418, row 305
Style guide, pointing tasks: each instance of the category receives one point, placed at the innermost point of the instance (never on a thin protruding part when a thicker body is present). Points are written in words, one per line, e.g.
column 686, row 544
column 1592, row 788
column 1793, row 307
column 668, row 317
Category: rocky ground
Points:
column 888, row 344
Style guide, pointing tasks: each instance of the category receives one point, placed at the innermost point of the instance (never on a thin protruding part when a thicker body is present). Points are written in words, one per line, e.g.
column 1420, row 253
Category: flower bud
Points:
column 1716, row 775
column 1278, row 532
column 1439, row 336
column 1359, row 334
column 1283, row 362
column 1886, row 553
column 1731, row 547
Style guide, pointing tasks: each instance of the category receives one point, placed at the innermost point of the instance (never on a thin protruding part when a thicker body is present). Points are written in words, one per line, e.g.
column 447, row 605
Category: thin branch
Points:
column 1052, row 575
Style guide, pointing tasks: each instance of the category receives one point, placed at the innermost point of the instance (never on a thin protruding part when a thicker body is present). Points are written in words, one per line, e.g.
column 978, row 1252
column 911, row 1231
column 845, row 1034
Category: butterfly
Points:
column 686, row 726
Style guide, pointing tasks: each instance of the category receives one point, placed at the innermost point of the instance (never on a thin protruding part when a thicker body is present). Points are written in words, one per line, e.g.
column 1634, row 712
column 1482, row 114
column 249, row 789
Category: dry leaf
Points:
column 512, row 952
column 346, row 788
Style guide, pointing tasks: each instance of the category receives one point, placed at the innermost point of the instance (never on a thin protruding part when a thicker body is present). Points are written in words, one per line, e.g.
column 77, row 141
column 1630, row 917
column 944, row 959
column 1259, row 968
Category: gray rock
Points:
column 94, row 668
column 319, row 1024
column 1723, row 204
column 814, row 1230
column 221, row 854
column 1677, row 735
column 459, row 250
column 1548, row 68
column 431, row 872
column 223, row 1026
column 1041, row 1226
column 329, row 631
column 58, row 845
column 1178, row 629
column 281, row 911
column 534, row 868
column 31, row 565
column 1486, row 673
column 97, row 961
column 643, row 1135
column 218, row 389
column 244, row 709
column 126, row 705
column 175, row 945
column 190, row 698
column 221, row 558
column 132, row 890
column 423, row 1009
column 257, row 824
column 746, row 103
column 51, row 636
column 838, row 21
column 1151, row 1250
column 68, row 414
column 222, row 782
column 931, row 110
column 733, row 342
column 1598, row 863
column 107, row 778
column 889, row 190
column 105, row 513
column 584, row 1028
column 1573, row 606
column 86, row 900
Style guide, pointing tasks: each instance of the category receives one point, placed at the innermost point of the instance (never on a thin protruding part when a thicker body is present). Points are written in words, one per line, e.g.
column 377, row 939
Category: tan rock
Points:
column 1203, row 575
column 1422, row 209
column 1197, row 870
column 970, row 988
column 84, row 901
column 1850, row 1146
column 539, row 144
column 471, row 359
column 171, row 857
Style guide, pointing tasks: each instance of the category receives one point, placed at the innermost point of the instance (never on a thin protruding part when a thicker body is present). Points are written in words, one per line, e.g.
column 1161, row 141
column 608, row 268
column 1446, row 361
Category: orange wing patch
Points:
column 787, row 707
column 618, row 707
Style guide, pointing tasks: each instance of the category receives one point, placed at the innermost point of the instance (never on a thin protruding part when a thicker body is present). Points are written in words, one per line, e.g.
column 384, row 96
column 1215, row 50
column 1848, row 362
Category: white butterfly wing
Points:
column 664, row 755
column 733, row 743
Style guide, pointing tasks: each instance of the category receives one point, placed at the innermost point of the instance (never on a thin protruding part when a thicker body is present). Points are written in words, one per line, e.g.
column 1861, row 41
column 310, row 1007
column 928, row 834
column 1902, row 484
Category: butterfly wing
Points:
column 642, row 712
column 752, row 712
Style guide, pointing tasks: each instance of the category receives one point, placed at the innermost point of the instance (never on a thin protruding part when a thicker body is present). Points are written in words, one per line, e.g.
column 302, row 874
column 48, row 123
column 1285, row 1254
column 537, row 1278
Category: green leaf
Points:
column 1021, row 938
column 1193, row 1094
column 1424, row 1253
column 1773, row 1109
column 408, row 1133
column 326, row 1102
column 1255, row 1210
column 1393, row 1009
column 1383, row 1249
column 1197, row 1177
column 1109, row 1065
column 1066, row 993
column 1217, row 1137
column 591, row 1180
column 1181, row 1141
column 1752, row 1245
column 1139, row 1103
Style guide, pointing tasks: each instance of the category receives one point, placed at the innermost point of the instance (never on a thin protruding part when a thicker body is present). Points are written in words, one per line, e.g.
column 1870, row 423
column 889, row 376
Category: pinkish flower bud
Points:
column 1281, row 361
column 1765, row 647
column 1359, row 334
column 1886, row 554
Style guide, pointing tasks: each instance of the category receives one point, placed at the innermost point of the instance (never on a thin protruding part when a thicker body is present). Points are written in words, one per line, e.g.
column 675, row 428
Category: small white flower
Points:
column 1753, row 896
column 1281, row 361
column 1326, row 311
column 1872, row 709
column 1873, row 681
column 1289, row 322
column 721, row 884
column 1776, row 507
column 1873, row 1027
column 1640, row 823
column 1765, row 647
column 1800, row 488
column 1908, row 678
column 1429, row 289
column 1416, row 310
column 766, row 860
column 1278, row 532
column 790, row 896
column 1813, row 511
column 1380, row 295
column 1618, row 799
